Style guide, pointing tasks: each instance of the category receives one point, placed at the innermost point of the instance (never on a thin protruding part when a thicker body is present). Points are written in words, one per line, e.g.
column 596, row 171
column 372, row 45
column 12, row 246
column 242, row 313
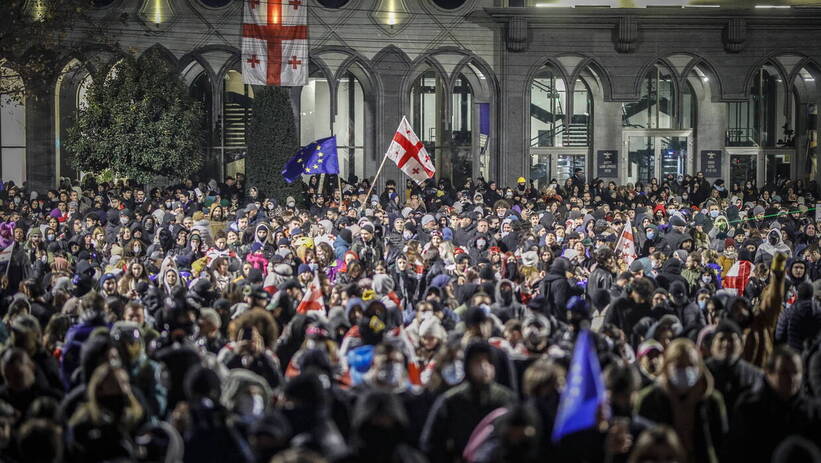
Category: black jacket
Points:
column 733, row 379
column 454, row 416
column 762, row 420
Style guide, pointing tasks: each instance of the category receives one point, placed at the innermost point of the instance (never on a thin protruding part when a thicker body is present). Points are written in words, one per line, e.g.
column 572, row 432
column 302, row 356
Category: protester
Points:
column 209, row 322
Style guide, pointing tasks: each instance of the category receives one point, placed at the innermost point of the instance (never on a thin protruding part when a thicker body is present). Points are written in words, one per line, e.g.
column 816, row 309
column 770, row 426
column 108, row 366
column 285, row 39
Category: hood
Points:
column 499, row 284
column 382, row 284
column 257, row 229
column 673, row 265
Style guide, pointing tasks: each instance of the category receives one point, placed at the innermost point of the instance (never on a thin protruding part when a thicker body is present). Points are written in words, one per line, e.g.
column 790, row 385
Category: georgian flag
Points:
column 410, row 154
column 313, row 299
column 737, row 277
column 275, row 42
column 626, row 246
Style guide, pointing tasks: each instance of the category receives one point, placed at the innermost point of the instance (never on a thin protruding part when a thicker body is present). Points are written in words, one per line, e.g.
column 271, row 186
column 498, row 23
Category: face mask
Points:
column 684, row 378
column 507, row 297
column 559, row 239
column 50, row 237
column 253, row 406
column 702, row 304
column 706, row 279
column 16, row 200
column 481, row 244
column 651, row 235
column 123, row 220
column 168, row 204
column 427, row 315
column 714, row 214
column 453, row 373
column 137, row 250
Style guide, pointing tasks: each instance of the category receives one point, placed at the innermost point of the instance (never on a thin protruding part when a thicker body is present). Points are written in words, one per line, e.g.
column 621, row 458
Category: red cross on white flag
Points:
column 626, row 246
column 409, row 154
column 275, row 42
column 313, row 299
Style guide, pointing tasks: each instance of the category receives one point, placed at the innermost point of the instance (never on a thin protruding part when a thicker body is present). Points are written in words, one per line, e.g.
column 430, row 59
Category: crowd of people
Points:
column 205, row 322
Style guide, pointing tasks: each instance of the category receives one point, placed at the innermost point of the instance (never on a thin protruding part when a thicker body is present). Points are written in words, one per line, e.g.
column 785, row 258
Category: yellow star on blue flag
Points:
column 319, row 157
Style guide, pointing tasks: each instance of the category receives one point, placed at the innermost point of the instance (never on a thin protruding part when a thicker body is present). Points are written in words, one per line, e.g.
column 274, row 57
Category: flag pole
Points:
column 368, row 196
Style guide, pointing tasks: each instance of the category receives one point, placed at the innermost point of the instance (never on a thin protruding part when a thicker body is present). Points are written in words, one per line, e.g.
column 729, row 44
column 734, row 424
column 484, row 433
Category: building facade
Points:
column 493, row 87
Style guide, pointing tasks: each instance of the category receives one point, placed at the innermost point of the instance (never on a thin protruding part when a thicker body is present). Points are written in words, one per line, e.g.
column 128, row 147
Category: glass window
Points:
column 449, row 4
column 332, row 3
column 237, row 105
column 548, row 98
column 12, row 130
column 578, row 130
column 641, row 159
column 315, row 104
column 656, row 106
column 760, row 120
column 215, row 3
column 461, row 131
column 743, row 169
column 427, row 112
column 349, row 127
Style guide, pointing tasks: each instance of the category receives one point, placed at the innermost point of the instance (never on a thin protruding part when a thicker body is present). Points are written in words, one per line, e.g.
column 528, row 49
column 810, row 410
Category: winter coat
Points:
column 504, row 310
column 454, row 416
column 670, row 272
column 702, row 441
column 798, row 323
column 763, row 420
column 733, row 379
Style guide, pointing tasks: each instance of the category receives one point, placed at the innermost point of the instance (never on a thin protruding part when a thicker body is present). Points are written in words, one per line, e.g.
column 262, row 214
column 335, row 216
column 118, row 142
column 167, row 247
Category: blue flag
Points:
column 583, row 393
column 318, row 157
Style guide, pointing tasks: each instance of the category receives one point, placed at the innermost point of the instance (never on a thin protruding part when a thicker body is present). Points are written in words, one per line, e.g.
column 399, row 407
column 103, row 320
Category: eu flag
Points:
column 584, row 392
column 318, row 157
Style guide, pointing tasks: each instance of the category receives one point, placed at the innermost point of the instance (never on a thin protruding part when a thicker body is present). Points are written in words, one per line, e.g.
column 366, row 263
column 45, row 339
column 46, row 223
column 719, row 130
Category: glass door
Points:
column 777, row 168
column 743, row 168
column 656, row 154
column 641, row 159
column 548, row 164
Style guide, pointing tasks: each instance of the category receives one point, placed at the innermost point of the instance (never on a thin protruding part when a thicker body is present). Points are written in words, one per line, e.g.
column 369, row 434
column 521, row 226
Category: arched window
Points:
column 656, row 108
column 461, row 143
column 237, row 105
column 427, row 112
column 760, row 120
column 315, row 101
column 349, row 126
column 12, row 128
column 548, row 100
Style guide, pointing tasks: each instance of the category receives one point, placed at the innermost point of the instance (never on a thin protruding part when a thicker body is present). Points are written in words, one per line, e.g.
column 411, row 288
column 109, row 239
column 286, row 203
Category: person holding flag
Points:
column 626, row 246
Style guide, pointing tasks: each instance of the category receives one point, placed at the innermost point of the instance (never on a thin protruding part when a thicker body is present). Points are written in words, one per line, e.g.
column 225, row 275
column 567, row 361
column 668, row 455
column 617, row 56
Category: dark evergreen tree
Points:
column 272, row 140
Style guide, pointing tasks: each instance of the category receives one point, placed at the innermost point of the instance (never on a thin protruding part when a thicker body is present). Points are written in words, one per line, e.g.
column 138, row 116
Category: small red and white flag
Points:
column 275, row 42
column 313, row 299
column 410, row 154
column 626, row 246
column 737, row 277
column 5, row 254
